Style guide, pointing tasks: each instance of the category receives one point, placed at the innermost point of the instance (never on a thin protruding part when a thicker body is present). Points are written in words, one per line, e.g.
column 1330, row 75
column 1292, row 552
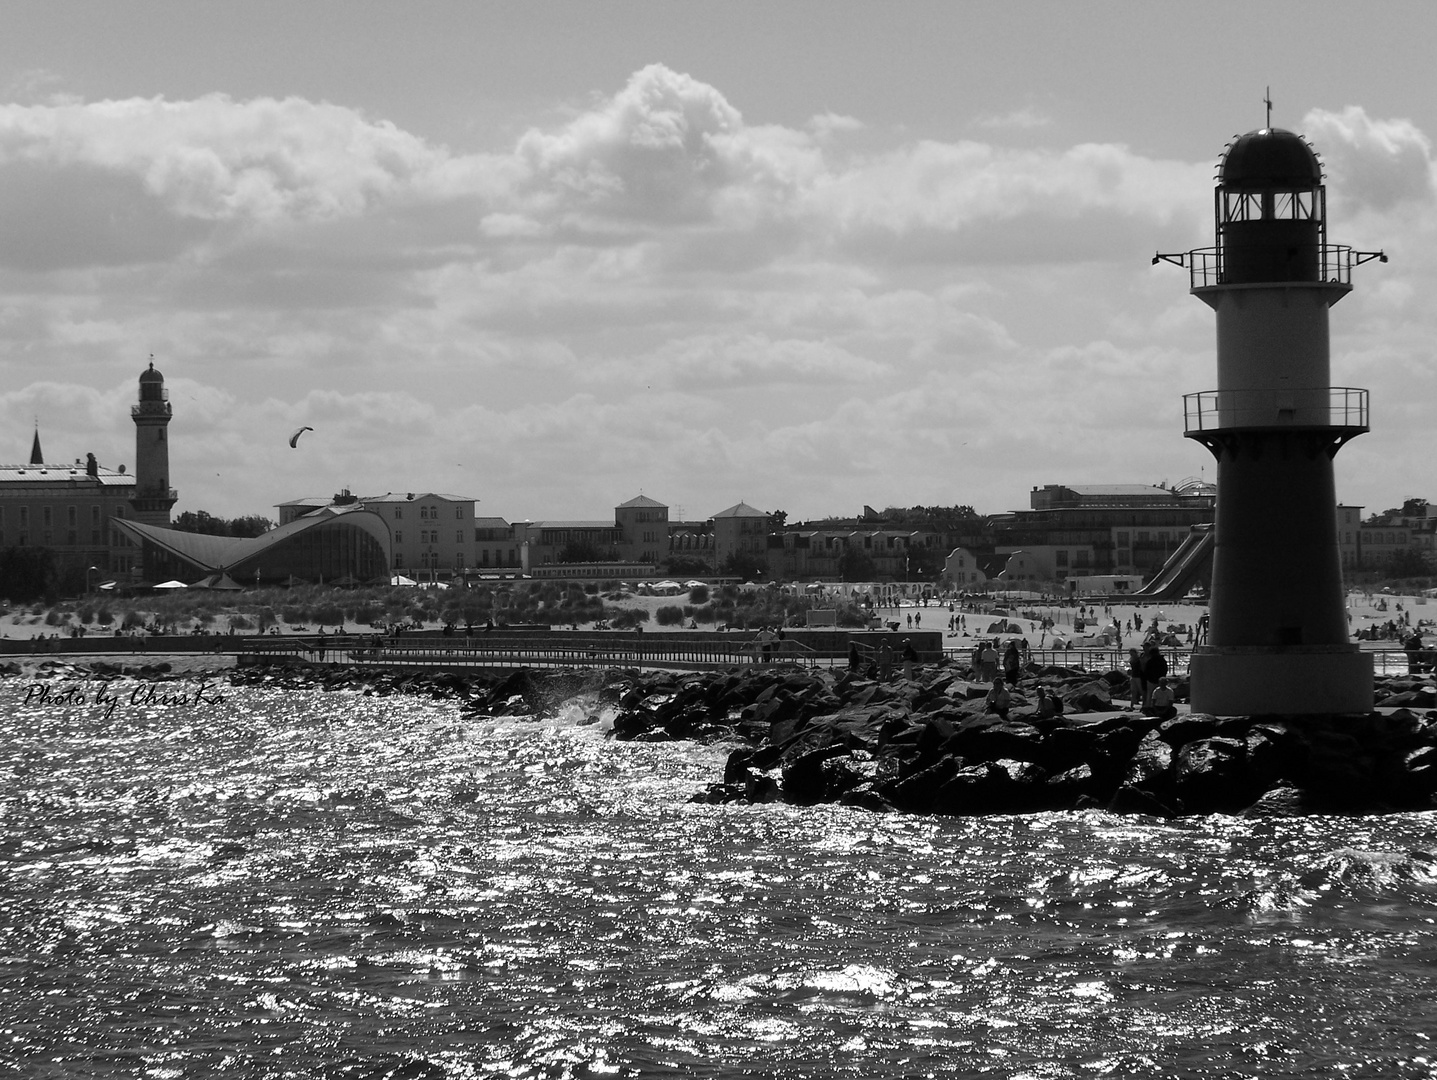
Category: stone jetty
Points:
column 927, row 745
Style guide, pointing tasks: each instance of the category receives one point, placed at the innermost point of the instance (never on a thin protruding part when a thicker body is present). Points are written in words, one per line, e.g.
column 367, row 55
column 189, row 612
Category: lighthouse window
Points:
column 1242, row 206
column 1295, row 205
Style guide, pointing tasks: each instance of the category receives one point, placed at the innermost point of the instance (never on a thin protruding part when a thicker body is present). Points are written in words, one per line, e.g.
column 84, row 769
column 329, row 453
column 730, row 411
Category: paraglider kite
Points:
column 294, row 439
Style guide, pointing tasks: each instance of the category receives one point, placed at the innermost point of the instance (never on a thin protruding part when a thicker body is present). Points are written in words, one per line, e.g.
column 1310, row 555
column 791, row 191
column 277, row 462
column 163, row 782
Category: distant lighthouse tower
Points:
column 1277, row 642
column 153, row 495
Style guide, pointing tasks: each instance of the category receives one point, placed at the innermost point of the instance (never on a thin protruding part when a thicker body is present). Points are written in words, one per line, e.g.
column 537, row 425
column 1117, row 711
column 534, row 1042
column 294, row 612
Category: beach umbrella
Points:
column 172, row 584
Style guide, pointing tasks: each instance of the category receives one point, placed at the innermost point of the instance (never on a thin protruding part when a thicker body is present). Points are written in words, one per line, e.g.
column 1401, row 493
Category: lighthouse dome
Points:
column 1270, row 158
column 150, row 375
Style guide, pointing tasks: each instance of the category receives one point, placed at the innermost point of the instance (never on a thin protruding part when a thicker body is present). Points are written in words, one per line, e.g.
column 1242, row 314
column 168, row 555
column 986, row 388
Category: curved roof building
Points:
column 334, row 544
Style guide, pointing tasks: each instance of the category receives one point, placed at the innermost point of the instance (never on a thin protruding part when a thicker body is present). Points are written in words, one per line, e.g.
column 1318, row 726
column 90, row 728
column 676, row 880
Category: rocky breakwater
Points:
column 927, row 745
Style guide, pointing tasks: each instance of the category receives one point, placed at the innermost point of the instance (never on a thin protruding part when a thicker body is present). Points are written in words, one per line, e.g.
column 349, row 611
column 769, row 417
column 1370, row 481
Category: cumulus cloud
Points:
column 1372, row 164
column 216, row 158
column 665, row 149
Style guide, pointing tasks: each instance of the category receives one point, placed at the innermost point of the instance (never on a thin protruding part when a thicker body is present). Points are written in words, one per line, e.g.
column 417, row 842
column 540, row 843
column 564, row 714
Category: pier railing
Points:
column 625, row 651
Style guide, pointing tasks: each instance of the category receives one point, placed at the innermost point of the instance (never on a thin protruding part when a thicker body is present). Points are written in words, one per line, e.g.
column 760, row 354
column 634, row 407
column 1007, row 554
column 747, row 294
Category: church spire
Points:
column 36, row 457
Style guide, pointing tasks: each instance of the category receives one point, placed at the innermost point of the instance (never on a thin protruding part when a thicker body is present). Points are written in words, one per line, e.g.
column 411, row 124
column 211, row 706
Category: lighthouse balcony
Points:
column 1331, row 264
column 151, row 408
column 1343, row 408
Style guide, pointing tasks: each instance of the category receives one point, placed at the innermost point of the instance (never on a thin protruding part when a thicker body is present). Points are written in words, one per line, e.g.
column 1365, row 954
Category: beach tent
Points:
column 400, row 579
column 1002, row 626
column 171, row 585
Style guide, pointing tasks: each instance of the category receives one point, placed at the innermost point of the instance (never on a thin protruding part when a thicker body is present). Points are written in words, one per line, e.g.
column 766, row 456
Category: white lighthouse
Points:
column 153, row 495
column 1278, row 639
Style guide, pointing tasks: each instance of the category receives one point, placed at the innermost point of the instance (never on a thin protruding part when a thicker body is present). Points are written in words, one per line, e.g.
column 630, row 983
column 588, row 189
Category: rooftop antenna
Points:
column 1267, row 100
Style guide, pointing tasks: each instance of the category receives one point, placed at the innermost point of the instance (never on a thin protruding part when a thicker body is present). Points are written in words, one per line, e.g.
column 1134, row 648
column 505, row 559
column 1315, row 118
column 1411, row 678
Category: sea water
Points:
column 301, row 884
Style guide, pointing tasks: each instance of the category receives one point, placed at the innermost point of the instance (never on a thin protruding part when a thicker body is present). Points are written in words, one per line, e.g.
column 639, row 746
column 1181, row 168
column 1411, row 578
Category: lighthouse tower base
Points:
column 1280, row 679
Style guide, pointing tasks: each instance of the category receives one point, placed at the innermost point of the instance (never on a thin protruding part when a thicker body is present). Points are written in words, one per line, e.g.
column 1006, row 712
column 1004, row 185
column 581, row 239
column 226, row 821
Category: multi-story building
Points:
column 496, row 549
column 740, row 530
column 1081, row 530
column 644, row 523
column 430, row 533
column 888, row 554
column 963, row 570
column 1386, row 536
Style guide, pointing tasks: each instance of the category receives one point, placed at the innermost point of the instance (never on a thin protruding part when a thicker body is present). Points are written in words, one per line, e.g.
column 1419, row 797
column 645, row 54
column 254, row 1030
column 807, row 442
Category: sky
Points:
column 803, row 255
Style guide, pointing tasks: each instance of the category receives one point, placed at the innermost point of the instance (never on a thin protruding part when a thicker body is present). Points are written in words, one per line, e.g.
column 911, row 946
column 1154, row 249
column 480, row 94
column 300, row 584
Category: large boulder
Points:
column 1210, row 776
column 805, row 781
column 972, row 789
column 1093, row 696
column 919, row 791
column 992, row 739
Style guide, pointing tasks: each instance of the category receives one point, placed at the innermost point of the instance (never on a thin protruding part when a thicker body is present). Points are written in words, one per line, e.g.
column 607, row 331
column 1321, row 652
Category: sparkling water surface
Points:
column 325, row 884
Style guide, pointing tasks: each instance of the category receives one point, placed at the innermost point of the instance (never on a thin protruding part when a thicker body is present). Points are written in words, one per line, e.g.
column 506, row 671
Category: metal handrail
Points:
column 1335, row 262
column 1206, row 266
column 1314, row 407
column 623, row 652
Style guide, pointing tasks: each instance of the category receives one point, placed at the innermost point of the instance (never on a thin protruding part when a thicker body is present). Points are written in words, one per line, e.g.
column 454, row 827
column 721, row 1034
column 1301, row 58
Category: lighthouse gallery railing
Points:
column 1316, row 407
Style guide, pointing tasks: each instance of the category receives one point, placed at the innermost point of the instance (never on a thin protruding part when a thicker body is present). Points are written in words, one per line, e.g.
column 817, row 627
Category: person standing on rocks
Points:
column 987, row 662
column 1012, row 662
column 885, row 661
column 1412, row 646
column 910, row 658
column 1155, row 668
column 1136, row 694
